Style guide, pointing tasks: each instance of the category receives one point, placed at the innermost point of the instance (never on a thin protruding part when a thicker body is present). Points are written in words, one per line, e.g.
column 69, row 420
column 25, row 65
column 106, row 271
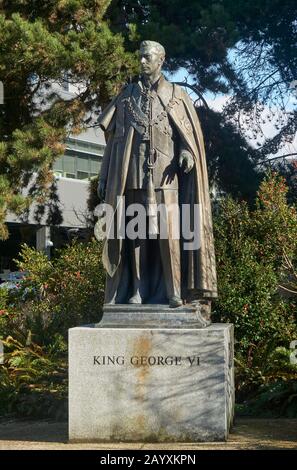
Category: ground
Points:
column 246, row 434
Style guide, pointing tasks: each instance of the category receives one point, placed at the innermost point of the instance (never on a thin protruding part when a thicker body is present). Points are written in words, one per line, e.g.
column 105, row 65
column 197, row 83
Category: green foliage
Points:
column 34, row 319
column 272, row 400
column 61, row 293
column 250, row 249
column 4, row 296
column 33, row 381
column 3, row 299
column 265, row 367
column 251, row 246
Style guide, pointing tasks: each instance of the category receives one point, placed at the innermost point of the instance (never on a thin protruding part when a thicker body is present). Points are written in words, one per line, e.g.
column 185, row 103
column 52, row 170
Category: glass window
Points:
column 83, row 163
column 82, row 175
column 69, row 164
column 95, row 165
column 78, row 165
column 58, row 165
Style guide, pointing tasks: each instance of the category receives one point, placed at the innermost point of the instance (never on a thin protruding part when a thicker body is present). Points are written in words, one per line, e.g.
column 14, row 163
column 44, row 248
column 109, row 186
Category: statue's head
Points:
column 152, row 56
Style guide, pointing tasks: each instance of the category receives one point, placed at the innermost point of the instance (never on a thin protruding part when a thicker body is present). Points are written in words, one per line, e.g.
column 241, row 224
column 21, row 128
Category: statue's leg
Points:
column 137, row 252
column 112, row 287
column 170, row 246
column 117, row 288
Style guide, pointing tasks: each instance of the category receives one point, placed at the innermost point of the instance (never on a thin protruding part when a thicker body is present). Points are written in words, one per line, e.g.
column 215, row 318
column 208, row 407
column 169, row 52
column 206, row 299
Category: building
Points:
column 73, row 172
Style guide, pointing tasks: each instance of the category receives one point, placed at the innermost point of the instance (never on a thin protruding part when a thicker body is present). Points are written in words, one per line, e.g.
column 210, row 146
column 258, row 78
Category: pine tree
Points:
column 42, row 43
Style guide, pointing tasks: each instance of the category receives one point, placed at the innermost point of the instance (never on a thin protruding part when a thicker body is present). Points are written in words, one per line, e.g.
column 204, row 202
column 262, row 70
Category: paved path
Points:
column 246, row 434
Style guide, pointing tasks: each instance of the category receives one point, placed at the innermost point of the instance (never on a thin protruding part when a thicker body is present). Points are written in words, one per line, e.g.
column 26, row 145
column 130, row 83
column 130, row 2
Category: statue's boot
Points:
column 136, row 298
column 175, row 302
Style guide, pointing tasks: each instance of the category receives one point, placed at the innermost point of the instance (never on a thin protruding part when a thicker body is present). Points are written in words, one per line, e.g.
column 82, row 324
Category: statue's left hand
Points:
column 186, row 161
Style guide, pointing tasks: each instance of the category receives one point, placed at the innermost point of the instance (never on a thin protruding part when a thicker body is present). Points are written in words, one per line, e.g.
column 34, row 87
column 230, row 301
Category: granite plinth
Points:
column 150, row 384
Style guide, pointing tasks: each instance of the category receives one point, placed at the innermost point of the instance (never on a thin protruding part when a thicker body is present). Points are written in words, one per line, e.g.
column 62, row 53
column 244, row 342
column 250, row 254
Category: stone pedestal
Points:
column 153, row 316
column 150, row 384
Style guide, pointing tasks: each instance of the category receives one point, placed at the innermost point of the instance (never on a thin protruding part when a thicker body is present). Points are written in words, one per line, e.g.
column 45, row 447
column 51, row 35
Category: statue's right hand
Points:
column 101, row 190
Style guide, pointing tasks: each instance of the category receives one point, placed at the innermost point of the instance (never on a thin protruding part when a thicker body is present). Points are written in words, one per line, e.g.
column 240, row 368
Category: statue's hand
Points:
column 186, row 161
column 101, row 190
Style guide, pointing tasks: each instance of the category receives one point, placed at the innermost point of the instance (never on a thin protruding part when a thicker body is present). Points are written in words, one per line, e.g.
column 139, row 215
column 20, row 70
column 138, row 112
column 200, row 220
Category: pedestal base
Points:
column 150, row 384
column 153, row 316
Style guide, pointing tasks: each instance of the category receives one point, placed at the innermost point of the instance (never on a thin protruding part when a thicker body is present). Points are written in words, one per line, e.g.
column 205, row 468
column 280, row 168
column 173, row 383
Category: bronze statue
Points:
column 155, row 156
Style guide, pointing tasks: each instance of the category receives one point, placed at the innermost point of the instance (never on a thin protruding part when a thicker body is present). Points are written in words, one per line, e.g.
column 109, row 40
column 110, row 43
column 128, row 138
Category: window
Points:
column 95, row 166
column 69, row 164
column 82, row 166
column 83, row 175
column 83, row 163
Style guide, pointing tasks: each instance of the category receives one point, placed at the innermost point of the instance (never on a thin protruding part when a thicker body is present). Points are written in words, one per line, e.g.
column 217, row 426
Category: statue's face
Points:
column 150, row 60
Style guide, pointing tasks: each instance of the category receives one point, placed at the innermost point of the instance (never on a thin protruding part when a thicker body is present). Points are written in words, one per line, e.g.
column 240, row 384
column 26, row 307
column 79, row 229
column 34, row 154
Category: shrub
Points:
column 54, row 296
column 3, row 300
column 33, row 380
column 65, row 292
column 251, row 247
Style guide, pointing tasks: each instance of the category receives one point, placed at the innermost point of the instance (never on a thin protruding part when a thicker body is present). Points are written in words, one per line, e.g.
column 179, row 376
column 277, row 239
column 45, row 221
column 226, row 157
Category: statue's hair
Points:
column 156, row 45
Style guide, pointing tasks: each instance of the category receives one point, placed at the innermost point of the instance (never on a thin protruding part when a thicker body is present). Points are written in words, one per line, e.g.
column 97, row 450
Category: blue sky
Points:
column 216, row 102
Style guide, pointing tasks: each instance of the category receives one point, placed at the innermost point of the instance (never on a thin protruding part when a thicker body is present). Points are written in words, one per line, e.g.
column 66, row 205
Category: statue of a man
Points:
column 155, row 156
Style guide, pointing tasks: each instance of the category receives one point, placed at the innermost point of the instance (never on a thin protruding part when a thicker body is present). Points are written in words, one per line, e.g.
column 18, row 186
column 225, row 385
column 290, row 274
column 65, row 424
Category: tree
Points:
column 231, row 160
column 246, row 49
column 42, row 43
